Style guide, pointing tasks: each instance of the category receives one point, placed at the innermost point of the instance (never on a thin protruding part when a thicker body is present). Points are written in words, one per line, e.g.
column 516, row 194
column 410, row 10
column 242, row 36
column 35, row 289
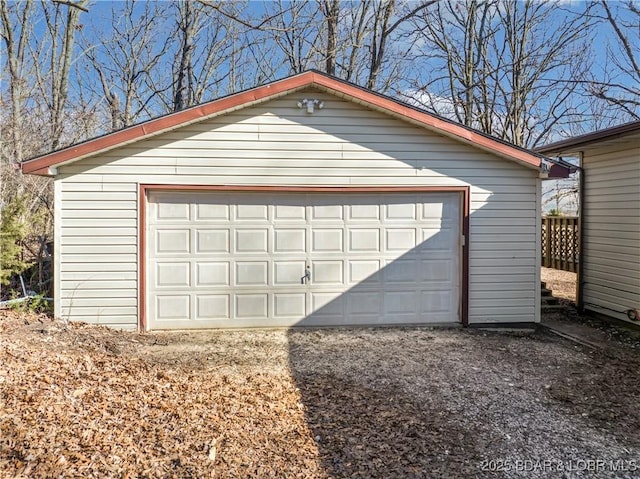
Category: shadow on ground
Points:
column 420, row 403
column 365, row 423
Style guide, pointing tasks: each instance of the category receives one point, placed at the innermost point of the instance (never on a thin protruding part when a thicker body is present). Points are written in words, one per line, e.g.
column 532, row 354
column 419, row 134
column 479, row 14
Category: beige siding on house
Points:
column 275, row 143
column 611, row 273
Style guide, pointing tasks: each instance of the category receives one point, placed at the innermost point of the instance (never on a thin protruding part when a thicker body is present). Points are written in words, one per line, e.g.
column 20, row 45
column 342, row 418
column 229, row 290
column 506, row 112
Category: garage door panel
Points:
column 213, row 241
column 286, row 213
column 172, row 241
column 436, row 271
column 364, row 240
column 173, row 307
column 251, row 212
column 435, row 211
column 220, row 260
column 290, row 240
column 400, row 239
column 443, row 239
column 251, row 305
column 320, row 212
column 212, row 212
column 364, row 270
column 288, row 273
column 363, row 302
column 328, row 304
column 252, row 240
column 213, row 307
column 400, row 211
column 363, row 212
column 252, row 273
column 169, row 275
column 327, row 240
column 173, row 210
column 401, row 271
column 327, row 273
column 289, row 305
column 402, row 302
column 215, row 273
column 436, row 302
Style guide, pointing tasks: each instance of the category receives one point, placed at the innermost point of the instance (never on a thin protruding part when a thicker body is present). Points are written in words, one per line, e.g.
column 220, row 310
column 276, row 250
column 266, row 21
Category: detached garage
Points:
column 308, row 201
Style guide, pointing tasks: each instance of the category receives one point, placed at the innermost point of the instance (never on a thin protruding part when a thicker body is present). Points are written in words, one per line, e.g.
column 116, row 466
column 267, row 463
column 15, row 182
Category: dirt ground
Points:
column 86, row 401
column 562, row 283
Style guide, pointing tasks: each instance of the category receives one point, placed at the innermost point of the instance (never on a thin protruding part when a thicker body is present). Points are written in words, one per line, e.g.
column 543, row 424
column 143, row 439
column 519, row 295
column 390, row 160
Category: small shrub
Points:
column 13, row 229
column 35, row 304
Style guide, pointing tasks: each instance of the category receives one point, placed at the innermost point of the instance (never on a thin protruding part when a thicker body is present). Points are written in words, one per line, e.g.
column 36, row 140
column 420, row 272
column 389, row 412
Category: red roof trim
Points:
column 40, row 165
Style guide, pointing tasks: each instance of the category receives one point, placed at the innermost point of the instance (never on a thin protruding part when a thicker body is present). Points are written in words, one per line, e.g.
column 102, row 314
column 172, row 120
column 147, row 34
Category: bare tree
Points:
column 20, row 127
column 15, row 35
column 384, row 25
column 504, row 70
column 206, row 53
column 62, row 24
column 458, row 37
column 38, row 70
column 359, row 35
column 295, row 31
column 541, row 64
column 279, row 38
column 350, row 40
column 125, row 53
column 621, row 85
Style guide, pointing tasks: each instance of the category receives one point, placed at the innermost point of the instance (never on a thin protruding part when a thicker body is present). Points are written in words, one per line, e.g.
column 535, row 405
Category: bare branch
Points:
column 79, row 6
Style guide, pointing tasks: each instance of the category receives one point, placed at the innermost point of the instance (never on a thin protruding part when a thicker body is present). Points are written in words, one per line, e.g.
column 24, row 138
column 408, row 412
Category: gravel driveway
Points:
column 453, row 403
column 449, row 402
column 362, row 403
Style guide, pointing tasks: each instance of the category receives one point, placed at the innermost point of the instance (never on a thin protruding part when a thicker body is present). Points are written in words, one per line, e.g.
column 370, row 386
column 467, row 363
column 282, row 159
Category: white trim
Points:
column 57, row 236
column 538, row 292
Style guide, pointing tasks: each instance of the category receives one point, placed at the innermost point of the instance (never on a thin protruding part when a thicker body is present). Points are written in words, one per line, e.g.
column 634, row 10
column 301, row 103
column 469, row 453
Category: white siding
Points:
column 275, row 143
column 611, row 275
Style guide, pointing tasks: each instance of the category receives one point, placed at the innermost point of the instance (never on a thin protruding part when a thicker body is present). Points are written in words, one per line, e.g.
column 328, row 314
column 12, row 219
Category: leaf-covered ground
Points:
column 86, row 401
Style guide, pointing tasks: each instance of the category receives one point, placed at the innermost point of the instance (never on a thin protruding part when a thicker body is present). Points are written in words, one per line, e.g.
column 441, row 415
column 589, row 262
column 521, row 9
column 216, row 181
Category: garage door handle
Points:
column 307, row 276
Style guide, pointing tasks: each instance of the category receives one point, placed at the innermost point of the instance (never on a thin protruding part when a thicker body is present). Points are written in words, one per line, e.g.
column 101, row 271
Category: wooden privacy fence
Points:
column 560, row 242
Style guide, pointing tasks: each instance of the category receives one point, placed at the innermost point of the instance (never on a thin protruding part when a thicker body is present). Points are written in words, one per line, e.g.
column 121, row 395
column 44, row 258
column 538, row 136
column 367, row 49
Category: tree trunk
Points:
column 184, row 74
column 15, row 63
column 331, row 10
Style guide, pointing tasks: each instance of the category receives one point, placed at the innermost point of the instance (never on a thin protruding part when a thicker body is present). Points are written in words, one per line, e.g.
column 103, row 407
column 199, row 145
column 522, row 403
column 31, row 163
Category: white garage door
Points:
column 239, row 259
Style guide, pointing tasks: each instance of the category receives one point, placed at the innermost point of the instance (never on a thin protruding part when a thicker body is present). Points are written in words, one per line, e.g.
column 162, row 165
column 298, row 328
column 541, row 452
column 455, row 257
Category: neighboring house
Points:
column 609, row 277
column 307, row 201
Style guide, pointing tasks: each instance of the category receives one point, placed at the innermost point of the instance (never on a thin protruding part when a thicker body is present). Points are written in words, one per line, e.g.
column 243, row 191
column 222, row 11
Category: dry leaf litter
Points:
column 86, row 401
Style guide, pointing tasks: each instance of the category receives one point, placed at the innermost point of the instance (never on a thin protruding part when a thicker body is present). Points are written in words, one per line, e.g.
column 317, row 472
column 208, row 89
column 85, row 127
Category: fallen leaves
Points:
column 70, row 406
column 87, row 401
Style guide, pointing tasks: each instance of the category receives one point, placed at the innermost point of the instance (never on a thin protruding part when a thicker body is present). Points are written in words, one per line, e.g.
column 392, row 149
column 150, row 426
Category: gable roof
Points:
column 43, row 164
column 570, row 145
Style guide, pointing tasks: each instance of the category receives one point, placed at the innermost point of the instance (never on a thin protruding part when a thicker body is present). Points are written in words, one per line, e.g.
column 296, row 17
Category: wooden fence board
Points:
column 560, row 243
